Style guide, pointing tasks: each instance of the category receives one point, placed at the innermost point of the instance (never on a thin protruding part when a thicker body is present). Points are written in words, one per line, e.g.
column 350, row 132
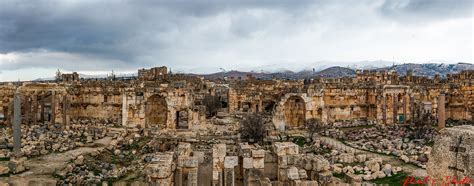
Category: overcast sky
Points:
column 38, row 37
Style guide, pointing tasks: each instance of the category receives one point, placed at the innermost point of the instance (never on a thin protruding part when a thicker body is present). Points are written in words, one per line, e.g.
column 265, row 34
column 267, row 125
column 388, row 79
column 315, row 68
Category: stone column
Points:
column 17, row 123
column 441, row 112
column 65, row 110
column 384, row 109
column 27, row 109
column 35, row 109
column 395, row 108
column 53, row 108
column 218, row 157
column 193, row 176
column 42, row 108
column 229, row 173
column 412, row 109
column 124, row 109
column 405, row 109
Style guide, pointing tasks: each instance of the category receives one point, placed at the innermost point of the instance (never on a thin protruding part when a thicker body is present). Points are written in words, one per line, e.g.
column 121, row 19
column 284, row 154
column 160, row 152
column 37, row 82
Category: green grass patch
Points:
column 339, row 175
column 430, row 144
column 4, row 159
column 397, row 179
column 300, row 141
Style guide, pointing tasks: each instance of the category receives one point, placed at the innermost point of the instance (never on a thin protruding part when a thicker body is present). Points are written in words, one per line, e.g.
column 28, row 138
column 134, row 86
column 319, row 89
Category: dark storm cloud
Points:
column 121, row 30
column 130, row 34
column 426, row 10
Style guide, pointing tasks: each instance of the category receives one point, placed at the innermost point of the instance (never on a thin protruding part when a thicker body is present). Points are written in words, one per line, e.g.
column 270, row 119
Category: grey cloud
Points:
column 141, row 33
column 426, row 10
column 113, row 30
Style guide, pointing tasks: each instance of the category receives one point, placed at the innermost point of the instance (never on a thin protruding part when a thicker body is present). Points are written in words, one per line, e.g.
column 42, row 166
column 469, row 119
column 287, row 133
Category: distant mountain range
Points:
column 426, row 69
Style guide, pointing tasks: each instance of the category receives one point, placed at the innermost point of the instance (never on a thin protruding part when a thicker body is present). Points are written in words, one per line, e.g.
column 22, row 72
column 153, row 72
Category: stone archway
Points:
column 295, row 111
column 291, row 111
column 156, row 111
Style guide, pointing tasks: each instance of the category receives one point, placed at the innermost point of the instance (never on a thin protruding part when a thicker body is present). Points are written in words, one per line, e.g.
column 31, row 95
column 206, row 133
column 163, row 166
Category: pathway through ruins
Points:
column 410, row 169
column 42, row 168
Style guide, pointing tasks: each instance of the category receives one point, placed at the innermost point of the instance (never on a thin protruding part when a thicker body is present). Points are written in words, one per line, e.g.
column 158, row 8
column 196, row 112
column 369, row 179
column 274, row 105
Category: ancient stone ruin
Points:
column 173, row 129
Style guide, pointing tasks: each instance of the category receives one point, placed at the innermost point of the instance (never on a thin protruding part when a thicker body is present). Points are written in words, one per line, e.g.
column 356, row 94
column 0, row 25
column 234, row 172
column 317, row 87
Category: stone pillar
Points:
column 441, row 111
column 193, row 177
column 53, row 107
column 65, row 110
column 384, row 109
column 17, row 123
column 412, row 109
column 124, row 109
column 395, row 108
column 27, row 109
column 218, row 156
column 229, row 173
column 405, row 109
column 42, row 108
column 35, row 109
column 178, row 176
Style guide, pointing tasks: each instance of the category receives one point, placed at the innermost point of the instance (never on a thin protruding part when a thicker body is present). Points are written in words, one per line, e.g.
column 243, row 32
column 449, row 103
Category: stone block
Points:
column 258, row 153
column 258, row 163
column 231, row 161
column 215, row 175
column 302, row 173
column 218, row 163
column 282, row 174
column 324, row 177
column 155, row 171
column 229, row 177
column 4, row 170
column 190, row 162
column 353, row 178
column 219, row 150
column 293, row 173
column 184, row 149
column 17, row 165
column 283, row 161
column 193, row 176
column 270, row 157
column 247, row 163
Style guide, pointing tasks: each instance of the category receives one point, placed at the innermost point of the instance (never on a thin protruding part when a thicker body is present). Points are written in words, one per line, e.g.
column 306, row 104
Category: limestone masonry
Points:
column 174, row 129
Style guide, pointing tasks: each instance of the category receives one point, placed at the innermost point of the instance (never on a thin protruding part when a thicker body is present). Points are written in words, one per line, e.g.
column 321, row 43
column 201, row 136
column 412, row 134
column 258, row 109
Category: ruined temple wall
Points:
column 89, row 102
column 460, row 103
column 345, row 103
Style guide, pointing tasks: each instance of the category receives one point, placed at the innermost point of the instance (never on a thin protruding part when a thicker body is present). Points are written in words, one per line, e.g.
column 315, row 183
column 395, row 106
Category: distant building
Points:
column 153, row 73
column 73, row 77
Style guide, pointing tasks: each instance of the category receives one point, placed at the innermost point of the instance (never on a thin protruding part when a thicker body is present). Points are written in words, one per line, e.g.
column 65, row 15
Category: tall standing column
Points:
column 384, row 110
column 17, row 123
column 65, row 110
column 124, row 109
column 35, row 109
column 405, row 109
column 441, row 112
column 53, row 107
column 42, row 108
column 395, row 108
column 412, row 109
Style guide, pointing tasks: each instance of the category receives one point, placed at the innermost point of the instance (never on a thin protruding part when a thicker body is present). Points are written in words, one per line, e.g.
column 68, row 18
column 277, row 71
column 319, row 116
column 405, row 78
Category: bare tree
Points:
column 422, row 124
column 212, row 103
column 252, row 127
column 314, row 126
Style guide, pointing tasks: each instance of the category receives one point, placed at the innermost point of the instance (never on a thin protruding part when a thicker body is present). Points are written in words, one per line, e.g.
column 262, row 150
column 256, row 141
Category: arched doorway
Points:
column 156, row 111
column 295, row 111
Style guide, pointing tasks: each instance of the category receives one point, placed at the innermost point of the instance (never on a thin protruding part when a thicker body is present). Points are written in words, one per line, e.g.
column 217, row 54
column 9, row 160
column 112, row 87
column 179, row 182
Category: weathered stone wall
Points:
column 453, row 153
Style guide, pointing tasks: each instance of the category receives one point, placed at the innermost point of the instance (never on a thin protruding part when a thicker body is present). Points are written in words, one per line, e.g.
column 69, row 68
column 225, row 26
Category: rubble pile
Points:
column 401, row 141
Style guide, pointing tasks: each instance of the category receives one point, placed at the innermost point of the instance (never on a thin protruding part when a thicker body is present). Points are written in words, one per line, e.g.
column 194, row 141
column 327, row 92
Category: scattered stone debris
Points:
column 175, row 129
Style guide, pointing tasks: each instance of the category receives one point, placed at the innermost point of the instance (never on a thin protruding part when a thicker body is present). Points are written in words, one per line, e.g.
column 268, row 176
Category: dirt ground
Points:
column 42, row 168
